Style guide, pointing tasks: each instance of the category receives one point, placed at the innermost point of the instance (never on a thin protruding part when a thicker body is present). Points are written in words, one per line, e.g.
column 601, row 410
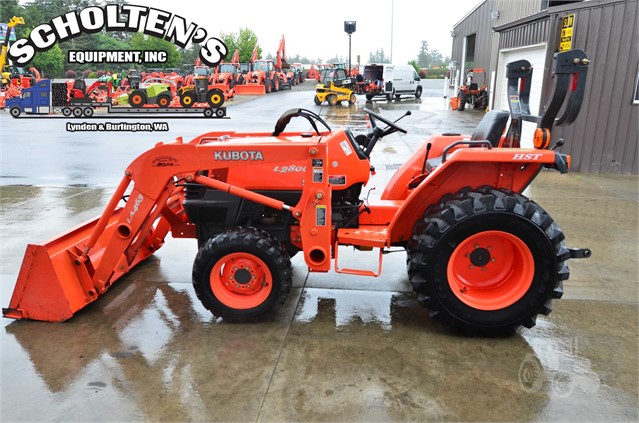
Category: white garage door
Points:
column 536, row 55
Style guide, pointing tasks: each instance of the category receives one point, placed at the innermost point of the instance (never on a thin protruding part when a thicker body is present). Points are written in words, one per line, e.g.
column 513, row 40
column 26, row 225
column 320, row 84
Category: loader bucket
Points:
column 250, row 90
column 53, row 283
column 50, row 285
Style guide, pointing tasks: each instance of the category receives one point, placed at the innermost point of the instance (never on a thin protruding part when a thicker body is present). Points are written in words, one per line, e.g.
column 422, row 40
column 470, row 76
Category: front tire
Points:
column 242, row 274
column 15, row 111
column 418, row 92
column 331, row 99
column 462, row 101
column 487, row 261
column 164, row 100
column 482, row 104
column 187, row 99
column 317, row 100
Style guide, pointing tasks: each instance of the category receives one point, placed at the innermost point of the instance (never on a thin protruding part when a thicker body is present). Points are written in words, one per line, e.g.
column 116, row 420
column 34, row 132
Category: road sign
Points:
column 567, row 24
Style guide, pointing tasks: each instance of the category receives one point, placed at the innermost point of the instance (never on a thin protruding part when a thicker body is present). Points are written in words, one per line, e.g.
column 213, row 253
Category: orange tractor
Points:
column 481, row 256
column 226, row 74
column 472, row 93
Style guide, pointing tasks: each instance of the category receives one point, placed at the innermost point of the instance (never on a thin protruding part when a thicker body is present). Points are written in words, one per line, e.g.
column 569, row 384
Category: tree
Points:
column 142, row 42
column 427, row 58
column 191, row 54
column 50, row 61
column 414, row 64
column 378, row 57
column 245, row 40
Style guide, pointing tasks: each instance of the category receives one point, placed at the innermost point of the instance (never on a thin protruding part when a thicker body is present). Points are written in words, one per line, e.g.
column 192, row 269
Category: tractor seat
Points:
column 491, row 128
column 473, row 86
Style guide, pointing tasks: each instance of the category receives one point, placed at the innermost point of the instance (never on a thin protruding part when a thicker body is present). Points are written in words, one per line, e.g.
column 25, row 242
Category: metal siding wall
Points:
column 476, row 23
column 603, row 139
column 530, row 34
column 510, row 10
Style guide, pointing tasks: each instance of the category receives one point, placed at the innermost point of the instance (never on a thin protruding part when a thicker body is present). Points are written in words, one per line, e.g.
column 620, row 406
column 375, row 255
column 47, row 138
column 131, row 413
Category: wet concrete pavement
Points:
column 342, row 348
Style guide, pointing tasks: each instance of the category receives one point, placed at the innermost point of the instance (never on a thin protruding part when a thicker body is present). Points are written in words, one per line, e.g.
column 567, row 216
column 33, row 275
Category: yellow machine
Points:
column 334, row 87
column 5, row 47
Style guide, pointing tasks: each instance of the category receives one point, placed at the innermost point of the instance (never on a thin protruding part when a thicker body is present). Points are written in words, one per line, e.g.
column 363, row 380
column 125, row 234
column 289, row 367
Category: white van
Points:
column 392, row 81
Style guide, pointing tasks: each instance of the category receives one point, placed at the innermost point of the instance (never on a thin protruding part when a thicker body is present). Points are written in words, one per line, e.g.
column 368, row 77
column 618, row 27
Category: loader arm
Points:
column 72, row 270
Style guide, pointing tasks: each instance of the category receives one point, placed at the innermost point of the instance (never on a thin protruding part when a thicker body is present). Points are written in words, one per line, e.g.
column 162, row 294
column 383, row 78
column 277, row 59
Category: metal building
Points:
column 604, row 138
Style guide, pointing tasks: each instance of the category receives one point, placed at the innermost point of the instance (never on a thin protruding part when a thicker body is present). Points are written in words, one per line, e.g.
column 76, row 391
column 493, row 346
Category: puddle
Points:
column 347, row 306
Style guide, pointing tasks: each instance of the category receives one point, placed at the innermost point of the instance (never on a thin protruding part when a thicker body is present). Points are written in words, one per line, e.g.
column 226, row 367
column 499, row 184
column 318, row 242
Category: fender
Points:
column 506, row 168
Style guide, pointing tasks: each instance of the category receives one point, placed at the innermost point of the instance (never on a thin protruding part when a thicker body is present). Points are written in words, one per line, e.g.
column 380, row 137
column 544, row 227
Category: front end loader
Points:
column 481, row 256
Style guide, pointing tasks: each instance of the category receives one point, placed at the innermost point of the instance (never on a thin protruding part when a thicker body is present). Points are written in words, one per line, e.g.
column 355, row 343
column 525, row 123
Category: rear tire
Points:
column 88, row 112
column 138, row 99
column 67, row 111
column 242, row 274
column 352, row 99
column 331, row 99
column 215, row 97
column 487, row 261
column 77, row 112
column 369, row 97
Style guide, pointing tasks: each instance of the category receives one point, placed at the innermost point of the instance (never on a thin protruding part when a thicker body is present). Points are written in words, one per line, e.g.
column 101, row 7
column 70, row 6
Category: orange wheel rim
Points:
column 163, row 102
column 137, row 99
column 241, row 281
column 491, row 270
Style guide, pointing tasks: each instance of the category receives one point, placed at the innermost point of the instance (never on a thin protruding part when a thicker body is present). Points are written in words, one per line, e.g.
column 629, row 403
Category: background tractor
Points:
column 200, row 92
column 155, row 94
column 334, row 87
column 472, row 93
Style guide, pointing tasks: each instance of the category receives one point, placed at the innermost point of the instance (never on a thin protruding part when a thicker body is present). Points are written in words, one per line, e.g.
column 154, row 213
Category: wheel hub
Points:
column 242, row 276
column 490, row 270
column 480, row 257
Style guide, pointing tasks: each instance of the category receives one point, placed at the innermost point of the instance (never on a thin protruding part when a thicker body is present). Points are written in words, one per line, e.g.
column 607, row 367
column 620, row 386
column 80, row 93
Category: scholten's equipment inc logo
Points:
column 113, row 17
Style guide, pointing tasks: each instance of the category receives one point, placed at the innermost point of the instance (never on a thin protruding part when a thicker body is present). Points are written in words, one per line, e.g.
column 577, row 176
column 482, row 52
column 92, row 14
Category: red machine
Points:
column 284, row 72
column 481, row 256
column 472, row 93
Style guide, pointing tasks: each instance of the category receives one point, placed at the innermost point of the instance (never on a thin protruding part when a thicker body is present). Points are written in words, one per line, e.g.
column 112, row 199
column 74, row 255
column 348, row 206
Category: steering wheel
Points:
column 286, row 117
column 378, row 133
column 392, row 126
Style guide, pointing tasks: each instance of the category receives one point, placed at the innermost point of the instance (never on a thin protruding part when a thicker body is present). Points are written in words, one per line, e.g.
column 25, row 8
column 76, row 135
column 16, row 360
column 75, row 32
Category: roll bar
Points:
column 570, row 69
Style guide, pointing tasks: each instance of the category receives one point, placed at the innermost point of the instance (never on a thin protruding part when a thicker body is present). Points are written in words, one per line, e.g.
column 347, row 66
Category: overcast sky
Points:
column 315, row 28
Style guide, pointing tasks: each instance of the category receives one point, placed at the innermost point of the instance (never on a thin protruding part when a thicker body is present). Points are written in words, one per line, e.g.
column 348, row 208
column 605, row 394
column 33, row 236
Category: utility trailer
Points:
column 46, row 97
column 480, row 255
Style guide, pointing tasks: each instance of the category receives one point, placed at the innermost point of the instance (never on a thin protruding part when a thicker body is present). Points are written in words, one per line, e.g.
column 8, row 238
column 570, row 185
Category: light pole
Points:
column 349, row 28
column 392, row 19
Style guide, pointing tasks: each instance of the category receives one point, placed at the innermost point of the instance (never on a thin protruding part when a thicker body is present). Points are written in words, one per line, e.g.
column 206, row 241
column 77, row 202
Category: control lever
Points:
column 560, row 143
